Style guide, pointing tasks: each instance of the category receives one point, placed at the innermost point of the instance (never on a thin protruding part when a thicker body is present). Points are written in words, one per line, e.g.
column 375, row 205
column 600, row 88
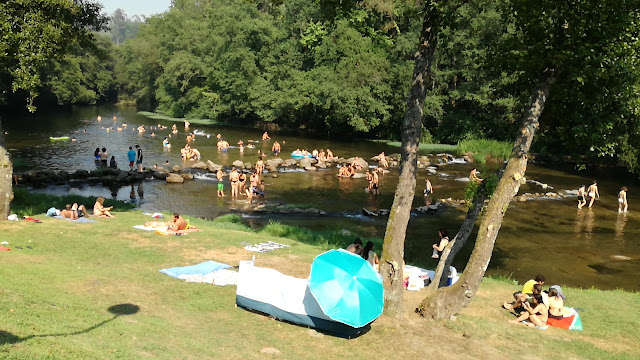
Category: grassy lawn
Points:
column 55, row 300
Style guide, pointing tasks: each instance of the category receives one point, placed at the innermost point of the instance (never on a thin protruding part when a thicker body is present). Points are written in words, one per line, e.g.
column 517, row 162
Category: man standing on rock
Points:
column 132, row 157
column 139, row 158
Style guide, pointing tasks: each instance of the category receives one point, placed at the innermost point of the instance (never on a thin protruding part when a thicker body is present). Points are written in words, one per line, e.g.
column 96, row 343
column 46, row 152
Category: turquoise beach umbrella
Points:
column 346, row 287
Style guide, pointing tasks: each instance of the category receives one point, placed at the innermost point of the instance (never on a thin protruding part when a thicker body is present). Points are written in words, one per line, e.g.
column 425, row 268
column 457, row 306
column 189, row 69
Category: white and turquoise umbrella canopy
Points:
column 346, row 287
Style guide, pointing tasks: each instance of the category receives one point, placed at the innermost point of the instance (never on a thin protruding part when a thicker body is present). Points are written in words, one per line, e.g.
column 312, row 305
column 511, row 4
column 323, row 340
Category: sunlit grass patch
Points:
column 483, row 149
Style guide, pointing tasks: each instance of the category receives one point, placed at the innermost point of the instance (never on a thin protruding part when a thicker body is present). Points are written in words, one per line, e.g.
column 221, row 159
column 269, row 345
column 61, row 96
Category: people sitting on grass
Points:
column 370, row 255
column 74, row 211
column 556, row 304
column 177, row 223
column 100, row 210
column 355, row 247
column 536, row 313
column 521, row 296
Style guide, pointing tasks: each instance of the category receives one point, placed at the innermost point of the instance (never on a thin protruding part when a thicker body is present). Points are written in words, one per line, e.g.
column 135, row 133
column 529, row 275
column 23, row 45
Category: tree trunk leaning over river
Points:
column 448, row 301
column 6, row 175
column 392, row 261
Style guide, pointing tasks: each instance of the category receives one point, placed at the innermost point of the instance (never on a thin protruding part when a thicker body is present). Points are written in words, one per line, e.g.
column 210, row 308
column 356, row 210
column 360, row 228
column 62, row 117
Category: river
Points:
column 573, row 247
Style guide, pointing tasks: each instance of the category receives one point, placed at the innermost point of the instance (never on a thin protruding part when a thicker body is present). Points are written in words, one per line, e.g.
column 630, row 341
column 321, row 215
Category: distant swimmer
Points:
column 265, row 136
column 99, row 118
column 165, row 143
column 115, row 118
column 186, row 124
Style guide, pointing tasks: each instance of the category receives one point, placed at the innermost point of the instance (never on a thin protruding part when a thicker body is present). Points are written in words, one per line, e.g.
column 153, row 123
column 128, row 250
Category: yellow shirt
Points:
column 528, row 287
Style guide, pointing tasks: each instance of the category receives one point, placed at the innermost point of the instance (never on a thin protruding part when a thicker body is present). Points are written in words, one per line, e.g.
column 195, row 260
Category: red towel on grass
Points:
column 2, row 248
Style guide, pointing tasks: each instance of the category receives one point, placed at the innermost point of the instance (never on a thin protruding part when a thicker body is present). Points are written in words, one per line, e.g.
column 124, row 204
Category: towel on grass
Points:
column 204, row 268
column 265, row 247
column 220, row 278
column 78, row 220
column 568, row 322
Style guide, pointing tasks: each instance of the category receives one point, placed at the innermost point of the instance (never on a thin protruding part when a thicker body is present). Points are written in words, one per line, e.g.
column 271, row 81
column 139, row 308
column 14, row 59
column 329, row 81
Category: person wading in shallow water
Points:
column 593, row 192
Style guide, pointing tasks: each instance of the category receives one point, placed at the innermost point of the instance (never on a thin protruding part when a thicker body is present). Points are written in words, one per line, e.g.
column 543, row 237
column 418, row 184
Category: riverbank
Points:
column 56, row 298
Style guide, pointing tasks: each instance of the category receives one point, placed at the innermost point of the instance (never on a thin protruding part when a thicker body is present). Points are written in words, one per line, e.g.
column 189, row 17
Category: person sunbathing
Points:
column 556, row 304
column 100, row 210
column 177, row 223
column 74, row 211
column 535, row 314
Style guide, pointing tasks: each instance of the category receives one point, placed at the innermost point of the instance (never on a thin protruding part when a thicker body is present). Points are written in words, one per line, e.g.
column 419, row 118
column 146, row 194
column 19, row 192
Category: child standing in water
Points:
column 623, row 205
column 582, row 196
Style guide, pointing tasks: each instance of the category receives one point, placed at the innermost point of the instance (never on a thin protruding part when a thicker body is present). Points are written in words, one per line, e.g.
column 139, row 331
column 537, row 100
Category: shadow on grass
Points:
column 117, row 311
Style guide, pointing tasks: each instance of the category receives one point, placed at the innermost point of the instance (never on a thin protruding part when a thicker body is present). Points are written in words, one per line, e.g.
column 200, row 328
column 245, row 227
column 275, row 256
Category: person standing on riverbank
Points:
column 582, row 196
column 139, row 158
column 623, row 206
column 132, row 157
column 593, row 192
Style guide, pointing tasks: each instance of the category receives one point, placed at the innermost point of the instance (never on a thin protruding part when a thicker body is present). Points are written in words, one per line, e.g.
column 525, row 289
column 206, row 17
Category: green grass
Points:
column 55, row 302
column 430, row 148
column 157, row 116
column 26, row 203
column 484, row 150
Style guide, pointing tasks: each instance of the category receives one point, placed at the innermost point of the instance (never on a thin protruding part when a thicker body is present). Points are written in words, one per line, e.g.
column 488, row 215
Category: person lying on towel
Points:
column 177, row 223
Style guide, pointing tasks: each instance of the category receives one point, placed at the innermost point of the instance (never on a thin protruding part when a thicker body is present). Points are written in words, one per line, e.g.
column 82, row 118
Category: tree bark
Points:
column 6, row 175
column 448, row 301
column 392, row 262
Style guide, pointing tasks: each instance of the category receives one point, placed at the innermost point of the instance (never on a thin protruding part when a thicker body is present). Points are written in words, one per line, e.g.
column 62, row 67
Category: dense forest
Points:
column 343, row 67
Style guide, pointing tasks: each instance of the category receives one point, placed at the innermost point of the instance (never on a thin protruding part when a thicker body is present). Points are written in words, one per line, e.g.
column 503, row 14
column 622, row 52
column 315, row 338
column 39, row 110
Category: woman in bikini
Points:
column 623, row 205
column 535, row 314
column 556, row 304
column 593, row 192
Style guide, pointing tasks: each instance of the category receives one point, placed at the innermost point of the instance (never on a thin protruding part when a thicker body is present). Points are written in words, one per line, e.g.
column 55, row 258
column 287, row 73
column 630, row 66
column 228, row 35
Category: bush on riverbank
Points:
column 430, row 148
column 484, row 150
column 26, row 203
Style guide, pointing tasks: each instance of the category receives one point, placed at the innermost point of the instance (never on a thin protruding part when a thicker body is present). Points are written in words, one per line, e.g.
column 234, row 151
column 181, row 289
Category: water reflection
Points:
column 621, row 221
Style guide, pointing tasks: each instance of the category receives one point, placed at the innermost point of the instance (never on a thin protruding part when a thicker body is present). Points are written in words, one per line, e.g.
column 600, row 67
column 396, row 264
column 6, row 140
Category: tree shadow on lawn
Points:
column 117, row 310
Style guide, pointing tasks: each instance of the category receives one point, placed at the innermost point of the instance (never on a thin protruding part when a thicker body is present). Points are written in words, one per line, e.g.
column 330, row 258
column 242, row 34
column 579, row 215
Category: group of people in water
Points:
column 238, row 180
column 592, row 193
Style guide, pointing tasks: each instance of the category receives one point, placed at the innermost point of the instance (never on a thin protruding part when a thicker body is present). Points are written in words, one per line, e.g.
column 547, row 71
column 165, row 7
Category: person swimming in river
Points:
column 265, row 136
column 165, row 143
column 276, row 148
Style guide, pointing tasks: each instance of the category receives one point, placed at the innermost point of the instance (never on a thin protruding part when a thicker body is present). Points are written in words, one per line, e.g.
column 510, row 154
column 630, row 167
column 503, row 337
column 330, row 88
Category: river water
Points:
column 551, row 237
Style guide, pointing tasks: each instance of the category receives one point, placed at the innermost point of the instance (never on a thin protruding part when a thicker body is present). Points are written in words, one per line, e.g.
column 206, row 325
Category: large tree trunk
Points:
column 450, row 300
column 391, row 264
column 6, row 175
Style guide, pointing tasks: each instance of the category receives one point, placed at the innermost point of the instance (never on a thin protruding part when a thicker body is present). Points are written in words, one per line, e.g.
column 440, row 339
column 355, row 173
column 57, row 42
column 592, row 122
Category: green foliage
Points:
column 471, row 190
column 26, row 203
column 483, row 149
column 429, row 148
column 34, row 32
column 84, row 77
column 324, row 239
